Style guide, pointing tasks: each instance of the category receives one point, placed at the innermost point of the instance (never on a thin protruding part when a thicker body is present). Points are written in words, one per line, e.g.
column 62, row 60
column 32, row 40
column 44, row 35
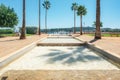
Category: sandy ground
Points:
column 110, row 44
column 8, row 45
column 62, row 75
column 60, row 58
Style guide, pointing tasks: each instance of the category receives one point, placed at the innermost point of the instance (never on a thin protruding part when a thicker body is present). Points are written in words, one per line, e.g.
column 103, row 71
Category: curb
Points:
column 107, row 54
column 60, row 44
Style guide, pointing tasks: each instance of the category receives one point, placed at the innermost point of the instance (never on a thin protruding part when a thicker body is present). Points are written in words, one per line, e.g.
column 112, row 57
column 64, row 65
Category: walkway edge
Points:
column 107, row 54
column 18, row 53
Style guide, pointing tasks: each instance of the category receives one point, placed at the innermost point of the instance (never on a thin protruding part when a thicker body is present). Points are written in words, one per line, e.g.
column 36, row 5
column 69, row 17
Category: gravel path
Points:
column 60, row 40
column 60, row 58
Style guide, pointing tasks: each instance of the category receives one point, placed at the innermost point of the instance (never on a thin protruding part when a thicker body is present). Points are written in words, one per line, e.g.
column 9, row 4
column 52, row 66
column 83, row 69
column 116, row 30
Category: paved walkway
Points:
column 8, row 45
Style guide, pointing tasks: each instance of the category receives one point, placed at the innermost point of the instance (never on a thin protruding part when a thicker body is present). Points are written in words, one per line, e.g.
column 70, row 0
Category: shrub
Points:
column 6, row 31
column 31, row 30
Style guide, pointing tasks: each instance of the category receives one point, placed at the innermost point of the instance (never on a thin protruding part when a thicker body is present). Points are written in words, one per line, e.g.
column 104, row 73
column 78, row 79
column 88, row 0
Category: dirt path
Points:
column 62, row 75
column 8, row 45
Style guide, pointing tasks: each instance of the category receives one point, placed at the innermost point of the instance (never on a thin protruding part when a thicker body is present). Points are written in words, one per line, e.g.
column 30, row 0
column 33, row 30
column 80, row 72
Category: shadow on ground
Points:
column 94, row 40
column 72, row 56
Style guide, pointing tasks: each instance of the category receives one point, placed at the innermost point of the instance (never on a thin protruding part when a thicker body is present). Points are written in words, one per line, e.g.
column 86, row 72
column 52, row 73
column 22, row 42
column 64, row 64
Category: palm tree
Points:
column 81, row 11
column 23, row 36
column 98, row 31
column 39, row 32
column 46, row 5
column 74, row 8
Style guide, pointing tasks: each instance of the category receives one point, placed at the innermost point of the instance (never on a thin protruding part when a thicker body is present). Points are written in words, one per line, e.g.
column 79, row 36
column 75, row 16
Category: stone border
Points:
column 8, row 59
column 107, row 54
column 60, row 44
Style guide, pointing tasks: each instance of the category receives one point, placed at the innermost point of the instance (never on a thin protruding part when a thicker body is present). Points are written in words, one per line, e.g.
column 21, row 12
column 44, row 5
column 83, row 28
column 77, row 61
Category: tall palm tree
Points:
column 74, row 8
column 98, row 31
column 23, row 36
column 46, row 5
column 39, row 32
column 81, row 11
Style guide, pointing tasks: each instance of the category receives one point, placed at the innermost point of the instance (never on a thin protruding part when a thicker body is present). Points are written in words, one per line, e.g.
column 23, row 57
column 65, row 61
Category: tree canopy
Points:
column 46, row 4
column 8, row 17
column 74, row 6
column 81, row 10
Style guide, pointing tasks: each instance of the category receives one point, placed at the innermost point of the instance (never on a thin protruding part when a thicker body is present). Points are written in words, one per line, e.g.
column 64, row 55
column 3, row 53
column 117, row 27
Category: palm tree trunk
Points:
column 22, row 36
column 98, row 31
column 74, row 22
column 81, row 24
column 46, row 20
column 39, row 32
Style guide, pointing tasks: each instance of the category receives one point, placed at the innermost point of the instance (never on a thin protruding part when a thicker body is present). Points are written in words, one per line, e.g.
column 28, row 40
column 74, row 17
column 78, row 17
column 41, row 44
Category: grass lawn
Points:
column 106, row 35
column 5, row 35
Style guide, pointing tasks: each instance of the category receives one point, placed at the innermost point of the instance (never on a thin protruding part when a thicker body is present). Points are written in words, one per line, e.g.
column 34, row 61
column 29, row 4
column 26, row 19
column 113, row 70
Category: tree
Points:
column 46, row 5
column 31, row 29
column 23, row 36
column 39, row 32
column 74, row 8
column 80, row 12
column 98, row 31
column 8, row 17
column 94, row 24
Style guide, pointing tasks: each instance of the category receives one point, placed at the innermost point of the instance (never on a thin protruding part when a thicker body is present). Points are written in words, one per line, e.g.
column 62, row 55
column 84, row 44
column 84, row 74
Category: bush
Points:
column 31, row 30
column 6, row 31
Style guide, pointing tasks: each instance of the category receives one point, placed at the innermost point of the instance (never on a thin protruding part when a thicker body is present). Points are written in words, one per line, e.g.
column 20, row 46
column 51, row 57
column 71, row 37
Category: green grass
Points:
column 104, row 35
column 5, row 35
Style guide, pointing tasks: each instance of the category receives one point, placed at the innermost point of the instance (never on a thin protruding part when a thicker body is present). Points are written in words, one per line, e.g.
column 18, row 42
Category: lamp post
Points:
column 39, row 32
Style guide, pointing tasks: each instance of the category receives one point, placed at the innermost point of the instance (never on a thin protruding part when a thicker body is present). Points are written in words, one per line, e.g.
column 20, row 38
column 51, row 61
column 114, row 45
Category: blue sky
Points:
column 61, row 15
